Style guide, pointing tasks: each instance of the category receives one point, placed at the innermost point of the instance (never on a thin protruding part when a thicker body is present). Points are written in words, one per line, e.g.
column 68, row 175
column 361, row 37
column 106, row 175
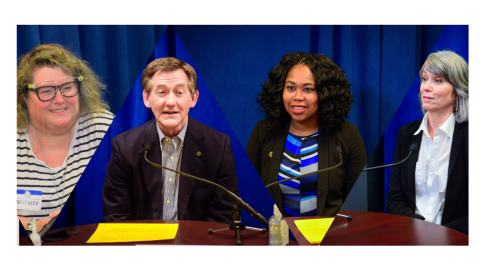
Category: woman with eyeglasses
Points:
column 61, row 119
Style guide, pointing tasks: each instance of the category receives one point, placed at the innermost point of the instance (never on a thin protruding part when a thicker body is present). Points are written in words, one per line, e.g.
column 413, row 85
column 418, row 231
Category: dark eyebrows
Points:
column 305, row 84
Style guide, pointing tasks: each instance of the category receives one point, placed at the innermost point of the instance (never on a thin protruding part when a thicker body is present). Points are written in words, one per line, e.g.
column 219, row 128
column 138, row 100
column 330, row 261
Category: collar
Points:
column 447, row 127
column 180, row 135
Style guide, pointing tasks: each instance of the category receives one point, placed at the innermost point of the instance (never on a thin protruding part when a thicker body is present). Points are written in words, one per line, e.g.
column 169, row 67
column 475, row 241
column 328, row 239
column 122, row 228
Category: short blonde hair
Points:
column 168, row 64
column 55, row 55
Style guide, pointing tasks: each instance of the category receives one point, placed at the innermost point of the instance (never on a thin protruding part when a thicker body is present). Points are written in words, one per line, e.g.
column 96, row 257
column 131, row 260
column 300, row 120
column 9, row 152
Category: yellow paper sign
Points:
column 314, row 229
column 133, row 232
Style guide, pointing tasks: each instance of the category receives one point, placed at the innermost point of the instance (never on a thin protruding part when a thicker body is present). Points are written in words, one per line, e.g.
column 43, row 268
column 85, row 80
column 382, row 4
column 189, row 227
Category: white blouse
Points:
column 431, row 172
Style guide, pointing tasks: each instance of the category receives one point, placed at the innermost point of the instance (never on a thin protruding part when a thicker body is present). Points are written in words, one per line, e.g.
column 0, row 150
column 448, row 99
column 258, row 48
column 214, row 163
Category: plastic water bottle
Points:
column 277, row 229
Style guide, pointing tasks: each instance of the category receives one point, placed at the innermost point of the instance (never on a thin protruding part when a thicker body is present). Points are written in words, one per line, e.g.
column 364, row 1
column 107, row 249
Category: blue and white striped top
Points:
column 300, row 156
column 34, row 175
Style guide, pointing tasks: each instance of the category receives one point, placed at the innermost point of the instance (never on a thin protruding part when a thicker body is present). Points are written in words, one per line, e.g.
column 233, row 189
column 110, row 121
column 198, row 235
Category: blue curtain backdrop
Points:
column 380, row 61
column 233, row 61
column 453, row 38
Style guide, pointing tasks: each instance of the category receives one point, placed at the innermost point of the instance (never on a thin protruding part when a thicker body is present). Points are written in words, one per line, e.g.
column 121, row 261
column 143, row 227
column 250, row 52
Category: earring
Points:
column 455, row 105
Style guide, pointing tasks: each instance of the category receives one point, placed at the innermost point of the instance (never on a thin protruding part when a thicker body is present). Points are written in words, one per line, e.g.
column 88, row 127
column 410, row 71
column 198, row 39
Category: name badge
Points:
column 29, row 200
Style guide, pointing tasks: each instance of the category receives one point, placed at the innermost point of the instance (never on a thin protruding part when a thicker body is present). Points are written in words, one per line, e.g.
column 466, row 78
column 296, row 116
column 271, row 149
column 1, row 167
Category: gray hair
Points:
column 454, row 69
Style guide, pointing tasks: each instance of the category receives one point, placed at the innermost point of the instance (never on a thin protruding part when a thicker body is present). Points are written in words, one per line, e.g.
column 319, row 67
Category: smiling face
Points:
column 170, row 100
column 300, row 99
column 437, row 94
column 58, row 115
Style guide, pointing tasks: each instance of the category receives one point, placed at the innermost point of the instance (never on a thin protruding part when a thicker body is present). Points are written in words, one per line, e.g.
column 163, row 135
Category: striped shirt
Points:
column 300, row 156
column 172, row 149
column 56, row 184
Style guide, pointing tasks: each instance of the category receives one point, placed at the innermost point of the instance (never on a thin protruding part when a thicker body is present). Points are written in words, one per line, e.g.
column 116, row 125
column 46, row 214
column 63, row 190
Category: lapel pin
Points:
column 198, row 153
column 270, row 155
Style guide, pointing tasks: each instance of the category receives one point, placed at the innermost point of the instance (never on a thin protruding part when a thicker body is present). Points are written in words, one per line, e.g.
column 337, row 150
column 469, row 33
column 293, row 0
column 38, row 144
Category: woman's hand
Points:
column 55, row 213
column 41, row 222
column 44, row 221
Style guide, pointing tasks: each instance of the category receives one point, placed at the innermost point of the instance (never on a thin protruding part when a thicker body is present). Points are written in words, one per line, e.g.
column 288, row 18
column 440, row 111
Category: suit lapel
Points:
column 412, row 164
column 323, row 140
column 153, row 176
column 456, row 142
column 275, row 161
column 194, row 151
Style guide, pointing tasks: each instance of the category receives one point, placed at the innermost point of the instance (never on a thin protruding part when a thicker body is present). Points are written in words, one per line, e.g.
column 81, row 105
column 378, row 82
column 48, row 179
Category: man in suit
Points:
column 135, row 190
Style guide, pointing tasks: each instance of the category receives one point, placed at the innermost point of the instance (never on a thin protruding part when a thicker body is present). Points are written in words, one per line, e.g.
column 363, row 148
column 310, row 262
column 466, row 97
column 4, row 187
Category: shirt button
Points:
column 166, row 140
column 168, row 202
column 171, row 157
column 170, row 180
column 430, row 174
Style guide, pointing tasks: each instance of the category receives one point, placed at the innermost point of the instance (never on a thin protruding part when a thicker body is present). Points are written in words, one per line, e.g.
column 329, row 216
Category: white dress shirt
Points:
column 431, row 172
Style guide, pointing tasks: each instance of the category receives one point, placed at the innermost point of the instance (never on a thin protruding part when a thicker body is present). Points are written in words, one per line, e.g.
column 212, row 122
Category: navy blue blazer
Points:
column 133, row 188
column 401, row 197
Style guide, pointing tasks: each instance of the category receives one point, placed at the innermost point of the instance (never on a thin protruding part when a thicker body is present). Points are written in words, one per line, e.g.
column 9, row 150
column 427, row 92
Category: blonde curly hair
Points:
column 55, row 55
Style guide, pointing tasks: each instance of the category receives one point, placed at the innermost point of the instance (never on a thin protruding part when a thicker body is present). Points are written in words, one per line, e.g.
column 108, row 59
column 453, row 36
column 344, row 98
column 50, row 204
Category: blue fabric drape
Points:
column 380, row 61
column 233, row 61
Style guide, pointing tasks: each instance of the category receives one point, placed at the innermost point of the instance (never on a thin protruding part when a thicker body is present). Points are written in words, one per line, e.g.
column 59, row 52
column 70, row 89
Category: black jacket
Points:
column 401, row 197
column 332, row 186
column 133, row 188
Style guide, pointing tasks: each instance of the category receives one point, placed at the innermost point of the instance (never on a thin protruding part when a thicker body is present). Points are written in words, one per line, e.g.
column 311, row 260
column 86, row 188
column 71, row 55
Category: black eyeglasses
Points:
column 49, row 92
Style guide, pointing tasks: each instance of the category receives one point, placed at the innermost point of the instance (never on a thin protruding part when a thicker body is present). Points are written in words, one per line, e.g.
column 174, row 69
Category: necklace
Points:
column 50, row 170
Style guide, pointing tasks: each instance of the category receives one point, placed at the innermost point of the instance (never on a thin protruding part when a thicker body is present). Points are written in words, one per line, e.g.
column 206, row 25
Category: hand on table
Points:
column 417, row 216
column 43, row 221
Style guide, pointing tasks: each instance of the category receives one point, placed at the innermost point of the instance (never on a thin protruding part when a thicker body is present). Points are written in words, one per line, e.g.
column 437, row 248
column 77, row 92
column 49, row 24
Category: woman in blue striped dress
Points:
column 306, row 99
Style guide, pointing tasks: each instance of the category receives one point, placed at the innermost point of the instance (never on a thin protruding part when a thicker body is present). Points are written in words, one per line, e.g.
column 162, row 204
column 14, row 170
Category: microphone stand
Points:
column 308, row 174
column 412, row 150
column 236, row 226
column 339, row 152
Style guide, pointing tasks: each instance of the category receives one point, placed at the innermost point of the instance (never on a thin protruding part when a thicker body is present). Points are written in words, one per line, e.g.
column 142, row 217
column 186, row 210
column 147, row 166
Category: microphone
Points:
column 349, row 217
column 339, row 152
column 412, row 150
column 43, row 232
column 147, row 147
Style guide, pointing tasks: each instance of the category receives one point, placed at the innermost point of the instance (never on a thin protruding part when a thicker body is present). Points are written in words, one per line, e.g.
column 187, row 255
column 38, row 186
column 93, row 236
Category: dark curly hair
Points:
column 334, row 96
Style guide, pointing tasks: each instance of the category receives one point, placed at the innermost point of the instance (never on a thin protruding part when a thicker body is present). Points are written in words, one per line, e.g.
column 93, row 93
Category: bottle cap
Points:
column 276, row 211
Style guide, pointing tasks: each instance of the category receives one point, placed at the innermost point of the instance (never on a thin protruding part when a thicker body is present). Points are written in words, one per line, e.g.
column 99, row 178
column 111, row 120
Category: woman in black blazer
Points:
column 305, row 101
column 433, row 184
